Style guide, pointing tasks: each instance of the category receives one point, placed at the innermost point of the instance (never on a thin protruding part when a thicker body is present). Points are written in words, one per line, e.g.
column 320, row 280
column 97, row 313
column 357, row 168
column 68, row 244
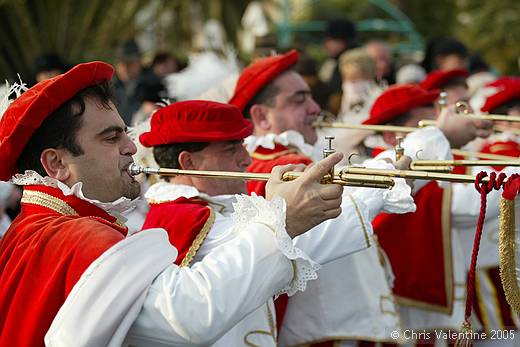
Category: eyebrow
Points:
column 300, row 92
column 112, row 128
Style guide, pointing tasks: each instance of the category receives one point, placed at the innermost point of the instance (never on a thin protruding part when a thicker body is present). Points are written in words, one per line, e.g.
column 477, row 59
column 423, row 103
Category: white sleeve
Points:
column 197, row 305
column 465, row 201
column 350, row 232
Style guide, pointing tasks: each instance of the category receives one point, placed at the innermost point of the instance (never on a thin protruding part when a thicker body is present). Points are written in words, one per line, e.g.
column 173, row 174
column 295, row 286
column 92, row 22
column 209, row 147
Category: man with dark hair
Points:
column 450, row 54
column 203, row 135
column 50, row 65
column 71, row 275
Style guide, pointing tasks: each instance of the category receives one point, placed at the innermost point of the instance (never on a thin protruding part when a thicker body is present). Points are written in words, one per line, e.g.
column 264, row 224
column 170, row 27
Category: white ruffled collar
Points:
column 115, row 208
column 166, row 191
column 289, row 137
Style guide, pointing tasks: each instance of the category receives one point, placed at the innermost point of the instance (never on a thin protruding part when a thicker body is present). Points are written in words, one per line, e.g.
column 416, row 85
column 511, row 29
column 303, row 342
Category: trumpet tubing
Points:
column 419, row 164
column 352, row 180
column 496, row 128
column 367, row 127
column 408, row 174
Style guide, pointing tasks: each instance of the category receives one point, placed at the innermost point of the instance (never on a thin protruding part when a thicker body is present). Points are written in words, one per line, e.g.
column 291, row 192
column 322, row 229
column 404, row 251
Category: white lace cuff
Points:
column 256, row 209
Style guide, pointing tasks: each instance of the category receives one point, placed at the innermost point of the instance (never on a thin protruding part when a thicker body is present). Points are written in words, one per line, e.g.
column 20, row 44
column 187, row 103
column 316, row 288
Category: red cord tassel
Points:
column 484, row 188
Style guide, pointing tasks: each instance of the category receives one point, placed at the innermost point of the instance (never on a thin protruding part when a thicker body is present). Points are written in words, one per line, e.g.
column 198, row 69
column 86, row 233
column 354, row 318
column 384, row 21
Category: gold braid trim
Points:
column 43, row 199
column 507, row 248
column 272, row 329
column 188, row 258
column 358, row 212
column 274, row 155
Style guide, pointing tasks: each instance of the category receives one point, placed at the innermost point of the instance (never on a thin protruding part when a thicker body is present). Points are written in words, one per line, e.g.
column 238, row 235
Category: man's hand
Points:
column 460, row 130
column 308, row 201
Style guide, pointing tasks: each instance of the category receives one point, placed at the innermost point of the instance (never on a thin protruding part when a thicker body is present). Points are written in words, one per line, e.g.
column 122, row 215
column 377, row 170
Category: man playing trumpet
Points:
column 72, row 275
column 203, row 135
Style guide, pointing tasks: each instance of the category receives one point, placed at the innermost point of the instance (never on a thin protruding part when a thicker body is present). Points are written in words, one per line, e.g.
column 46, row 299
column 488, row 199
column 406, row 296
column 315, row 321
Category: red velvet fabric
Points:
column 196, row 121
column 438, row 78
column 397, row 100
column 28, row 111
column 266, row 165
column 414, row 244
column 182, row 218
column 260, row 73
column 42, row 256
column 508, row 148
column 508, row 89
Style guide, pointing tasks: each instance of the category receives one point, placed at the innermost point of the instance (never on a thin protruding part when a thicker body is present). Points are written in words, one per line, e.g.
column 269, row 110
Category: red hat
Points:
column 397, row 100
column 508, row 88
column 26, row 113
column 196, row 121
column 254, row 77
column 438, row 78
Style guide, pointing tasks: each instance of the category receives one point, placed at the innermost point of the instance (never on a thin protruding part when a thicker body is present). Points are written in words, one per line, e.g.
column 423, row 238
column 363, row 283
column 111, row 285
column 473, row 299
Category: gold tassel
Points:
column 465, row 336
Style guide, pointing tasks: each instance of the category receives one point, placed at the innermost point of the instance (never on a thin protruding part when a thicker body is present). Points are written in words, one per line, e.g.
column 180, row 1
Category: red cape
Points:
column 264, row 160
column 187, row 222
column 43, row 254
column 419, row 248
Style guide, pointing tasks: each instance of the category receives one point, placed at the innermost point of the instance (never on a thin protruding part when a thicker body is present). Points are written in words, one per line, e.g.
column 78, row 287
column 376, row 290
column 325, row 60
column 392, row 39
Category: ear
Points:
column 389, row 138
column 54, row 162
column 259, row 117
column 187, row 161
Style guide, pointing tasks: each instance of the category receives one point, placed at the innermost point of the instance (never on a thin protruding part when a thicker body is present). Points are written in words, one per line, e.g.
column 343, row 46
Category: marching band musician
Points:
column 71, row 275
column 352, row 299
column 204, row 135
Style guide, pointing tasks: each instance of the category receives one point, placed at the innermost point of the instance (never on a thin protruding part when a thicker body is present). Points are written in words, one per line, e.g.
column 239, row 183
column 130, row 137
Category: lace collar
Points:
column 289, row 137
column 165, row 191
column 116, row 208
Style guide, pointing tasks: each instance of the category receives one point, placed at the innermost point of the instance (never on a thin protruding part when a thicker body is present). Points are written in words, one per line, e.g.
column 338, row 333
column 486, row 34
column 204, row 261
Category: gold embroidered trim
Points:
column 365, row 232
column 43, row 199
column 188, row 258
column 271, row 333
column 388, row 298
column 259, row 156
column 507, row 248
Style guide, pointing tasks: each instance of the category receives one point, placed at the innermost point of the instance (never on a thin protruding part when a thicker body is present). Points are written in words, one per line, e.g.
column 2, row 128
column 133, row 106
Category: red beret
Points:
column 398, row 100
column 508, row 88
column 196, row 121
column 27, row 112
column 260, row 73
column 438, row 78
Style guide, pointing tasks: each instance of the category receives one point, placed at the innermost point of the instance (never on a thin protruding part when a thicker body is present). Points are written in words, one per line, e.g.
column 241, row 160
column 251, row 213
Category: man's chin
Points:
column 133, row 191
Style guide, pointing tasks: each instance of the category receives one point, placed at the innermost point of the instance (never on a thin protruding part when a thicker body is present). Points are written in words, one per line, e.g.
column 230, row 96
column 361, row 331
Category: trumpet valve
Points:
column 443, row 100
column 326, row 152
column 399, row 150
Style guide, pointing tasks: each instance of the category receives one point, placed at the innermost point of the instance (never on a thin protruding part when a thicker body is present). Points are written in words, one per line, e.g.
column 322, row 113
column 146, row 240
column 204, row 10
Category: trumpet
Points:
column 496, row 128
column 481, row 155
column 423, row 164
column 463, row 109
column 351, row 180
column 377, row 128
column 414, row 175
